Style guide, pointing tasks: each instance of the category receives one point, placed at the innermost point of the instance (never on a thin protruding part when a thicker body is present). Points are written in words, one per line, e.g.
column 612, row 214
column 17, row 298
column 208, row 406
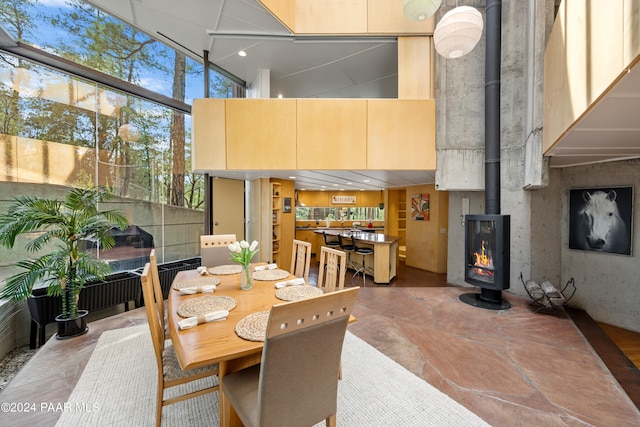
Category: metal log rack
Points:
column 545, row 302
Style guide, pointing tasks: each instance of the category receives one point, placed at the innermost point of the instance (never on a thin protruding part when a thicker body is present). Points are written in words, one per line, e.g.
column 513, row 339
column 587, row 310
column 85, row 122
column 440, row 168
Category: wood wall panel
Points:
column 208, row 133
column 590, row 46
column 386, row 17
column 415, row 67
column 401, row 134
column 261, row 133
column 332, row 134
column 331, row 17
column 283, row 10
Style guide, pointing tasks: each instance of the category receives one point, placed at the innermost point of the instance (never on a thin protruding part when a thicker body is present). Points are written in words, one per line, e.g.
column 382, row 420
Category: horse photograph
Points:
column 600, row 219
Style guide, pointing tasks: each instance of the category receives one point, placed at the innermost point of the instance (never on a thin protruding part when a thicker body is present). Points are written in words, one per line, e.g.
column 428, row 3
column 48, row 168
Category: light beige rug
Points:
column 118, row 387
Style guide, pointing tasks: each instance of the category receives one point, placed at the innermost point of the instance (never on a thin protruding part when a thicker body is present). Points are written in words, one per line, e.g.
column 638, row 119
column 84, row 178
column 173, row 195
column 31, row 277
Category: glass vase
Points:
column 246, row 279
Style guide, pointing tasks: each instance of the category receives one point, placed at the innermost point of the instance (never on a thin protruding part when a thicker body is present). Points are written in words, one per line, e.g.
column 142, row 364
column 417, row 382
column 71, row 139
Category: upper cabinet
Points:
column 338, row 134
column 260, row 133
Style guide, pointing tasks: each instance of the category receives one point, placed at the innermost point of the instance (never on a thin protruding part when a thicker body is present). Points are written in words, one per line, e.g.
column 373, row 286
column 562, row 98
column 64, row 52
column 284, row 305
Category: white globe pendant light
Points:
column 419, row 10
column 458, row 32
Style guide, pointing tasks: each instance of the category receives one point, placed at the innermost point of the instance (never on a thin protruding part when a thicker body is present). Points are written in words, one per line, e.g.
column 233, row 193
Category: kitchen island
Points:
column 385, row 250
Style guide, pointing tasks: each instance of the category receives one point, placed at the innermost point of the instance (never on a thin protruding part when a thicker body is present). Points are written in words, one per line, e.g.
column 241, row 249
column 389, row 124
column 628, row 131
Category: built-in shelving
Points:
column 402, row 228
column 276, row 202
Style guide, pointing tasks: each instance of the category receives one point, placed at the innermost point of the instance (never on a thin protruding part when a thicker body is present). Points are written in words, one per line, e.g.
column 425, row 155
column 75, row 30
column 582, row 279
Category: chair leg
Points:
column 331, row 421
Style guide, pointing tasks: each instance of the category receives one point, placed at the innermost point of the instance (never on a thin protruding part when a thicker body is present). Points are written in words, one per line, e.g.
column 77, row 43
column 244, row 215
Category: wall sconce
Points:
column 419, row 10
column 458, row 32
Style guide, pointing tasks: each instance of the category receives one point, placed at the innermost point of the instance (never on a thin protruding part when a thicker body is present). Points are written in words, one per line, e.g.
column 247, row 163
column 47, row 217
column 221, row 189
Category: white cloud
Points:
column 54, row 3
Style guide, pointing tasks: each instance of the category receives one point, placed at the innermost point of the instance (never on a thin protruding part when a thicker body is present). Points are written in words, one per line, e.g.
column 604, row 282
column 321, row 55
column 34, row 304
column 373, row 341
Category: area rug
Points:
column 118, row 387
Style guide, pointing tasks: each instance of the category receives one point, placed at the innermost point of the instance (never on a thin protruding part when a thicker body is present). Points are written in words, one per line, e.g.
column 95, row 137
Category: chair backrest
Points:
column 300, row 259
column 304, row 341
column 214, row 250
column 345, row 246
column 157, row 287
column 332, row 269
column 330, row 241
column 155, row 325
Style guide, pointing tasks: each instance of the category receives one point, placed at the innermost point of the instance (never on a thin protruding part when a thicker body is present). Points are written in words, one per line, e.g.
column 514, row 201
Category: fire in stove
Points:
column 487, row 251
column 483, row 265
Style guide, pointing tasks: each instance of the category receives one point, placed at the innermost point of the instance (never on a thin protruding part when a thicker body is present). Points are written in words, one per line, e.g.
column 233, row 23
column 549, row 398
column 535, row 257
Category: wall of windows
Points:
column 59, row 131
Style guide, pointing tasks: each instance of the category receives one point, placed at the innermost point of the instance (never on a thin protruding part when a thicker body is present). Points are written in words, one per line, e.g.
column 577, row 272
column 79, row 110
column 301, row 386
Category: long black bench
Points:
column 115, row 289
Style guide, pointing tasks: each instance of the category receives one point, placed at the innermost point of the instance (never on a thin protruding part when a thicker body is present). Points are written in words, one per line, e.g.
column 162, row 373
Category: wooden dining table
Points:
column 217, row 342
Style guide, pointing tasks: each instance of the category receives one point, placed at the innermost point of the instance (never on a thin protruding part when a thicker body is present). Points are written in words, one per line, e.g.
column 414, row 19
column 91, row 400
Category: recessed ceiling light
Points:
column 292, row 177
column 242, row 53
column 366, row 180
column 279, row 96
column 349, row 183
column 335, row 185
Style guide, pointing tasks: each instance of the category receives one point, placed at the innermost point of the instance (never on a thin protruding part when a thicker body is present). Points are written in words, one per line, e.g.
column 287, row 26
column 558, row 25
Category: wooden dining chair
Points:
column 331, row 276
column 170, row 374
column 301, row 259
column 296, row 383
column 214, row 249
column 157, row 291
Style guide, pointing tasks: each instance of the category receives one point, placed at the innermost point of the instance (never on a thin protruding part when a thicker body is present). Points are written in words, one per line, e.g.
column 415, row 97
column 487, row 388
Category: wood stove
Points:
column 487, row 257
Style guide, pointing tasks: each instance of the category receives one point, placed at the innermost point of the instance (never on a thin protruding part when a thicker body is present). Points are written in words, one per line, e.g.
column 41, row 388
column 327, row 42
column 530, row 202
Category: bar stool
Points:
column 348, row 249
column 332, row 243
column 364, row 251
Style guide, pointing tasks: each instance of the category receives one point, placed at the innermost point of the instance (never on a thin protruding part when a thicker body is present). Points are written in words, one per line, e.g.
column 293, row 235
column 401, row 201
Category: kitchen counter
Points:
column 385, row 250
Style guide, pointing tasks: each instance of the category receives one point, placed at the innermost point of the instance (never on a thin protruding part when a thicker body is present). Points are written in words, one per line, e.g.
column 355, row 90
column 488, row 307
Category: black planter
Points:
column 68, row 328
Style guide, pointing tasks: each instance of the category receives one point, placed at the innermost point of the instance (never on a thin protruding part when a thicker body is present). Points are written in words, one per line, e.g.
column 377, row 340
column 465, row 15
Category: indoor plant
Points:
column 65, row 268
column 242, row 252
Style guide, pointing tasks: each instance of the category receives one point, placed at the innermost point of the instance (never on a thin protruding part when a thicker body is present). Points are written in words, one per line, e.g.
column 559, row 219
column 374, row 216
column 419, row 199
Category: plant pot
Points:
column 68, row 328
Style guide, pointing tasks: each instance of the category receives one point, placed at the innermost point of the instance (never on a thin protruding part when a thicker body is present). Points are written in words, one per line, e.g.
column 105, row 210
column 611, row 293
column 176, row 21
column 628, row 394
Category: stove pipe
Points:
column 492, row 107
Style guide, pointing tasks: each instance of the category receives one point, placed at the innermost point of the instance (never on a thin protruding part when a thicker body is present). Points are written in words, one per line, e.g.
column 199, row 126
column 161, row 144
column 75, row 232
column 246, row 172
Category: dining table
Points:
column 217, row 341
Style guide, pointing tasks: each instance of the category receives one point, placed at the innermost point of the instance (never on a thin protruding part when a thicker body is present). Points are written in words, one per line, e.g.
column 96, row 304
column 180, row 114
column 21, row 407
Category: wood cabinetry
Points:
column 276, row 221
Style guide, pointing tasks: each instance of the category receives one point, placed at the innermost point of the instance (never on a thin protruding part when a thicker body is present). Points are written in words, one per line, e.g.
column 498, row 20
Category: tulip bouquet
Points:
column 242, row 252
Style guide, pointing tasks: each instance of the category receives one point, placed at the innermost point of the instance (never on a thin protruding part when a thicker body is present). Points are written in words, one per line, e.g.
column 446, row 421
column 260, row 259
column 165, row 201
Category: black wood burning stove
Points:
column 487, row 252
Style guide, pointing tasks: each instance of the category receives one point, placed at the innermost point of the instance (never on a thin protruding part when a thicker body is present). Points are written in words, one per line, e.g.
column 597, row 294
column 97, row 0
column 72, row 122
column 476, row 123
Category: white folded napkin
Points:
column 214, row 316
column 293, row 282
column 260, row 268
column 202, row 270
column 272, row 266
column 206, row 289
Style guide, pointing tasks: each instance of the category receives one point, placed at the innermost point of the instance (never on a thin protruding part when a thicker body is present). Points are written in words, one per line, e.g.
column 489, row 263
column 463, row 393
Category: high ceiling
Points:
column 356, row 68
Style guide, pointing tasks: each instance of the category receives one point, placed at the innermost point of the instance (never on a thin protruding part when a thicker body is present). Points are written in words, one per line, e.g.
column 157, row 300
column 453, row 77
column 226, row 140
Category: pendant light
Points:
column 458, row 32
column 419, row 10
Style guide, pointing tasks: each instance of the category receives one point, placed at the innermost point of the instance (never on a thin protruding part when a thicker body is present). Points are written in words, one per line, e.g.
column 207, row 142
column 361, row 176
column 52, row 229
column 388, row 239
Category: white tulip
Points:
column 244, row 244
column 253, row 246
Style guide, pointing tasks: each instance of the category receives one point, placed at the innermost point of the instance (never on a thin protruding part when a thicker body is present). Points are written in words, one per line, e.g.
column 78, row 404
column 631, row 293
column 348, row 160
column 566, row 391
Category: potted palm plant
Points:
column 65, row 268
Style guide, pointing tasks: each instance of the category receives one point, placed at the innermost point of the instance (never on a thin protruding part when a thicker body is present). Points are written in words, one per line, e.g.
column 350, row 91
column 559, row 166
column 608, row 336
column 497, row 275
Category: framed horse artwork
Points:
column 600, row 219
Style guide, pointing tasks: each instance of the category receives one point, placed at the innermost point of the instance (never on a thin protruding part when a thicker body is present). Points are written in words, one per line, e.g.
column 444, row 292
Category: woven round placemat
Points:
column 253, row 327
column 225, row 269
column 275, row 274
column 206, row 304
column 292, row 293
column 194, row 283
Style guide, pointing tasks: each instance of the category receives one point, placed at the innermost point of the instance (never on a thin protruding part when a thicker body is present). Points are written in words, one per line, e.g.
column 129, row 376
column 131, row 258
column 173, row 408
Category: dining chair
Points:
column 301, row 259
column 157, row 291
column 296, row 383
column 214, row 249
column 331, row 276
column 170, row 374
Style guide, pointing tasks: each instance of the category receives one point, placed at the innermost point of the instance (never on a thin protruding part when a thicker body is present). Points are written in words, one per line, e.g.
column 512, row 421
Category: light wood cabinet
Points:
column 260, row 133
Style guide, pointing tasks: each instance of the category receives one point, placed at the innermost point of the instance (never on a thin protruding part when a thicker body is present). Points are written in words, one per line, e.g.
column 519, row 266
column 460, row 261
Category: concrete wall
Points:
column 608, row 284
column 536, row 197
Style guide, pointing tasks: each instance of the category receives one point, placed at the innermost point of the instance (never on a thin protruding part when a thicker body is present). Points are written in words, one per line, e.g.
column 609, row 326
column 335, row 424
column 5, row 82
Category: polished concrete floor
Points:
column 511, row 367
